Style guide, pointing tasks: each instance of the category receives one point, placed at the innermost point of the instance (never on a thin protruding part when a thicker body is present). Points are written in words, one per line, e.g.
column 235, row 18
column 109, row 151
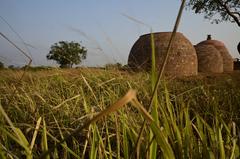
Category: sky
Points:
column 102, row 26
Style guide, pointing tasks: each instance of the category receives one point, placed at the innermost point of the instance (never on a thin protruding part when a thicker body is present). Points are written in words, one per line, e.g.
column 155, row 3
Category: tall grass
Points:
column 58, row 114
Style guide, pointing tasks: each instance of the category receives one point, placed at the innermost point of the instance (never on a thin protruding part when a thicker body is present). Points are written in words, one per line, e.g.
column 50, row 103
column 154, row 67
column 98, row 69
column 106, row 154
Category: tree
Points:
column 217, row 10
column 1, row 65
column 67, row 53
column 238, row 47
column 116, row 66
column 11, row 67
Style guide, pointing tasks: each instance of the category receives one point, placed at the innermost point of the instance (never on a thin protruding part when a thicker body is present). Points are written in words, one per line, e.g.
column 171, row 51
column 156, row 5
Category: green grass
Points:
column 84, row 113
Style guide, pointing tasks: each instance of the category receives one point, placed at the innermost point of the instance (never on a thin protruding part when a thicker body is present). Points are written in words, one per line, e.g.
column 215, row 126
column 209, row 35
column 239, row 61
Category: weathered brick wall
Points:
column 227, row 58
column 182, row 59
column 209, row 59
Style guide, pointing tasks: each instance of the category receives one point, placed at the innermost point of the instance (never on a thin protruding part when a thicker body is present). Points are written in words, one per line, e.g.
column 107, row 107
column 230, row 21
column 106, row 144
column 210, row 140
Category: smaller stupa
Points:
column 226, row 57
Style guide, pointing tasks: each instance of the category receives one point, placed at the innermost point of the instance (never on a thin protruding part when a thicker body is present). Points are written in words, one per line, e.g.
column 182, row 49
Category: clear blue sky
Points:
column 100, row 26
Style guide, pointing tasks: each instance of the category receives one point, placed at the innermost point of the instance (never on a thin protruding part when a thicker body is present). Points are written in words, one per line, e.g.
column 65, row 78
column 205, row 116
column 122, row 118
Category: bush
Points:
column 1, row 65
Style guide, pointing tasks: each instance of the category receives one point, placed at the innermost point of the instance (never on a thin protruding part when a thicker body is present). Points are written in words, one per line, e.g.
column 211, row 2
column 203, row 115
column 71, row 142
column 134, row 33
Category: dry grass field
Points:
column 198, row 117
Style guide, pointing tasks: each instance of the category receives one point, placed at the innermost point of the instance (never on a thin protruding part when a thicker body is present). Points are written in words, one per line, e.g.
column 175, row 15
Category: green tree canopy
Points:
column 217, row 10
column 67, row 53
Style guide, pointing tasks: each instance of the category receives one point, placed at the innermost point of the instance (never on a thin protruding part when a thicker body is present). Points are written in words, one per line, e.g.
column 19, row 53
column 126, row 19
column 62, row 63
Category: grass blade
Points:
column 220, row 140
column 35, row 133
column 21, row 139
column 130, row 95
column 160, row 136
column 154, row 112
column 44, row 142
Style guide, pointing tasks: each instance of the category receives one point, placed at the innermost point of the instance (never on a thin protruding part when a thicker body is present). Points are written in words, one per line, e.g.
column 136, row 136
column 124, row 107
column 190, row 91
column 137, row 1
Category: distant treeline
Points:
column 116, row 66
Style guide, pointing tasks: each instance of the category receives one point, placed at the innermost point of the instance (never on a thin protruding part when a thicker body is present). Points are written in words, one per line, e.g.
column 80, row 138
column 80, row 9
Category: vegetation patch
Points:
column 198, row 117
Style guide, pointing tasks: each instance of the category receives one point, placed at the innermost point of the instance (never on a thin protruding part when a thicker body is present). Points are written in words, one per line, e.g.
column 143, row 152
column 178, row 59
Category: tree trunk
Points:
column 238, row 47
